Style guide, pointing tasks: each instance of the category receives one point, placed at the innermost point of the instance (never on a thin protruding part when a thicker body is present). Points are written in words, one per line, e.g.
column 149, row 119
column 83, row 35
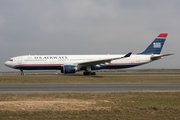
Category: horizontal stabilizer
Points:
column 159, row 57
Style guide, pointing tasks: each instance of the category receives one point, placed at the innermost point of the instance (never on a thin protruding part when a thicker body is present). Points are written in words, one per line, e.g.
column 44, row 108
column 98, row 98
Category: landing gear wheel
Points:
column 89, row 73
column 85, row 73
column 93, row 73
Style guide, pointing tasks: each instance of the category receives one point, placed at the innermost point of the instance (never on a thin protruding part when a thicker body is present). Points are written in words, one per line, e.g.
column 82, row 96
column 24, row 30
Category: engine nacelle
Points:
column 69, row 69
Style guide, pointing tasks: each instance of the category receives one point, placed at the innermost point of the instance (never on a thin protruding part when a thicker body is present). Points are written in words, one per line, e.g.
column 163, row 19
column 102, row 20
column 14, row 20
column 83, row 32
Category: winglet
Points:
column 128, row 55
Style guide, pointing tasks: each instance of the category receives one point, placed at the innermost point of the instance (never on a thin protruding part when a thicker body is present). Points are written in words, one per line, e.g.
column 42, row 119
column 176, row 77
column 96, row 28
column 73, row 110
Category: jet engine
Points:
column 68, row 69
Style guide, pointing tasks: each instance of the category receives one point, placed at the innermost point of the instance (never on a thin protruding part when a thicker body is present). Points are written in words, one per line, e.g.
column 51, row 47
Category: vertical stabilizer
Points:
column 156, row 46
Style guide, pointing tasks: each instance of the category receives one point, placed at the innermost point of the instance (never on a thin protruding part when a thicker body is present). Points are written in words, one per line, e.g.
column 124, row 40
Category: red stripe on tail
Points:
column 162, row 35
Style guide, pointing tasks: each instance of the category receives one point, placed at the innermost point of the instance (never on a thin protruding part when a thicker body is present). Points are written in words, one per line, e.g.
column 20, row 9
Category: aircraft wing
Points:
column 102, row 61
column 160, row 56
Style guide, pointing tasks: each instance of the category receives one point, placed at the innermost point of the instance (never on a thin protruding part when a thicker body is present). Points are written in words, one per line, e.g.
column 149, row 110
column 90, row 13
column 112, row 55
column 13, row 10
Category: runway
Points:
column 86, row 88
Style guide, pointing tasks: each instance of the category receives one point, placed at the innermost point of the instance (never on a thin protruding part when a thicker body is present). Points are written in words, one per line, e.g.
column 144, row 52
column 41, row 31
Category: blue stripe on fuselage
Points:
column 39, row 67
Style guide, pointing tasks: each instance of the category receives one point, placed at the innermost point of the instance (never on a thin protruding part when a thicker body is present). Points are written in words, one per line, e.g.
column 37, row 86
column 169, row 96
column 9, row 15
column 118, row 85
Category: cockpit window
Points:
column 11, row 60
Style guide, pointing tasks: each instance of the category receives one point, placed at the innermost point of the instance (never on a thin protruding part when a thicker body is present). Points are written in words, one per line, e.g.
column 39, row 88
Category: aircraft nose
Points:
column 8, row 64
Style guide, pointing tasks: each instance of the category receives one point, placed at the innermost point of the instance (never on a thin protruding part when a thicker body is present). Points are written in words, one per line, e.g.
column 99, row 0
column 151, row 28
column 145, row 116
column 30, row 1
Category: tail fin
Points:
column 156, row 46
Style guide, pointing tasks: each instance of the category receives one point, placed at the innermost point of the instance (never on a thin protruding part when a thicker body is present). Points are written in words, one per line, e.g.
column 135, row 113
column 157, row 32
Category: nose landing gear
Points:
column 22, row 73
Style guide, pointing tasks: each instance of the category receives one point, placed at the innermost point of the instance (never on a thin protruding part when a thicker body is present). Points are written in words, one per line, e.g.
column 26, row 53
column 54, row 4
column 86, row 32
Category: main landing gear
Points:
column 89, row 73
column 22, row 73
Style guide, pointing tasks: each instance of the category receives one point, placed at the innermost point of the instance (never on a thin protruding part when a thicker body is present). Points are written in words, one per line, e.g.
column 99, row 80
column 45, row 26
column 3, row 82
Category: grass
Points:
column 136, row 106
column 89, row 79
column 115, row 106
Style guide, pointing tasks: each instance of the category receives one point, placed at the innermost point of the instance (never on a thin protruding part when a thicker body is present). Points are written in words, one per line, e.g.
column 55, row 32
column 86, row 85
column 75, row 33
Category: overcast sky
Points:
column 88, row 27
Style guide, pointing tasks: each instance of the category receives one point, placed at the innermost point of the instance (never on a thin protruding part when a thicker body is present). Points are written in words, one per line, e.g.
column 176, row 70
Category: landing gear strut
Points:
column 89, row 73
column 22, row 73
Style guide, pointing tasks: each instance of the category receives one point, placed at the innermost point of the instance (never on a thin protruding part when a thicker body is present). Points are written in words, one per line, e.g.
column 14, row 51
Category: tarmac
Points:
column 87, row 88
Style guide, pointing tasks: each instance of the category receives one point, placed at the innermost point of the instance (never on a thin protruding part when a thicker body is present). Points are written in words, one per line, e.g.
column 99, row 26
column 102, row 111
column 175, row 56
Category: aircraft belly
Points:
column 38, row 67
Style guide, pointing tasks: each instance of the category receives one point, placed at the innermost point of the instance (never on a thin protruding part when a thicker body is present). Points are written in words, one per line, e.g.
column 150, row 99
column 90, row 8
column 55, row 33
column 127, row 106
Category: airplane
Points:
column 87, row 63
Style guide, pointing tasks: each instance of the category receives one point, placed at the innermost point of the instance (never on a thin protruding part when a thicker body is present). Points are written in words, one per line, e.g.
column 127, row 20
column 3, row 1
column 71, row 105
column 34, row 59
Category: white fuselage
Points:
column 43, row 62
